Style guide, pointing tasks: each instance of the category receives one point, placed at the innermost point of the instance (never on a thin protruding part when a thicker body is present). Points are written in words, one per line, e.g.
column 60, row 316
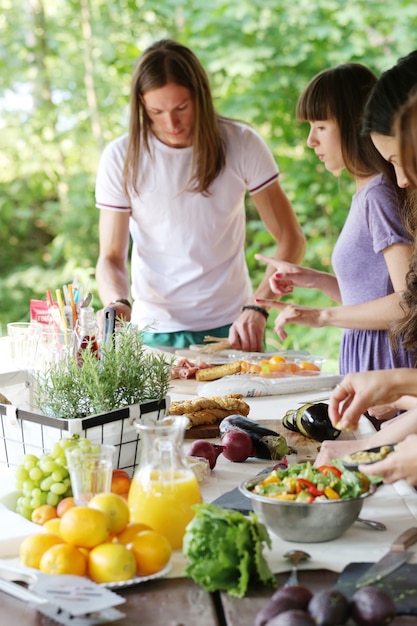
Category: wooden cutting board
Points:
column 243, row 611
column 306, row 449
column 401, row 584
column 211, row 431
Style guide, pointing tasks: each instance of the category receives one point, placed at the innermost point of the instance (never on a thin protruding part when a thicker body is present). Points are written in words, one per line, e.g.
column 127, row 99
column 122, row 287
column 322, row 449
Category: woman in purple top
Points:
column 371, row 256
column 362, row 260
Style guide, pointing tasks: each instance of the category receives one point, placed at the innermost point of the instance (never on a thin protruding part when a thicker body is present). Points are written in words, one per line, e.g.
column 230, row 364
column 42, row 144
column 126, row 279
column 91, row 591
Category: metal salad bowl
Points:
column 305, row 522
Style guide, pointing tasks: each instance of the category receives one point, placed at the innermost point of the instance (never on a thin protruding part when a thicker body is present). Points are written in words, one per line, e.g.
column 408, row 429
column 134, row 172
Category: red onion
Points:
column 206, row 450
column 237, row 446
column 283, row 464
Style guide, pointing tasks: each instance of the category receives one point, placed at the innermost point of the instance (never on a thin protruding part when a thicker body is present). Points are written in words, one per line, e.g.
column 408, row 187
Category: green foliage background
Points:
column 66, row 68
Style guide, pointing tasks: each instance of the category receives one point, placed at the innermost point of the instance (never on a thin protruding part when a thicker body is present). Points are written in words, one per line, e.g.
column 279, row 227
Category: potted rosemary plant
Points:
column 126, row 374
column 100, row 399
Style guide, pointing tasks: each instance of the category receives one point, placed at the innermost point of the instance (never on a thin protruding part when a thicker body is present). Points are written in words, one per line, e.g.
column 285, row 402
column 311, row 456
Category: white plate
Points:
column 137, row 579
column 9, row 500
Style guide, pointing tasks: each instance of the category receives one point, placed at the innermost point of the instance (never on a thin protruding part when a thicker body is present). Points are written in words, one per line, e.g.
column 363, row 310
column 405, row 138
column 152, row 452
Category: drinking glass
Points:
column 52, row 346
column 23, row 341
column 90, row 469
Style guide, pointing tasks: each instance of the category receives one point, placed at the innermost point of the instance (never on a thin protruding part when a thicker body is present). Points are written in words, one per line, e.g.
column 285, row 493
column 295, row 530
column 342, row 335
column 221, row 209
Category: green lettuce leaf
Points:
column 224, row 549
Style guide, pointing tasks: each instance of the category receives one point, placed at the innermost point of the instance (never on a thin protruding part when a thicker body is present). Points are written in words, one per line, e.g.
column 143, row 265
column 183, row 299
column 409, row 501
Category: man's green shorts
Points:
column 183, row 339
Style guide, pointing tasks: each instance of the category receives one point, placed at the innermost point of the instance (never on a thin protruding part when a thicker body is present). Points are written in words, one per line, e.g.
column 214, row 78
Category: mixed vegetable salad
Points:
column 304, row 483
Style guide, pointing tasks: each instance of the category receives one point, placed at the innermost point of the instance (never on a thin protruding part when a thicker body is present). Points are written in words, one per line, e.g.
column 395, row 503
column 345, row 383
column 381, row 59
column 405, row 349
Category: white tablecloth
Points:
column 394, row 505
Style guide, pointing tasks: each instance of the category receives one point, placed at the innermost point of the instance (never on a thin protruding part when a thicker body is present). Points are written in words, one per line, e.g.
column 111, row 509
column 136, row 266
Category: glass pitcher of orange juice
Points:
column 163, row 489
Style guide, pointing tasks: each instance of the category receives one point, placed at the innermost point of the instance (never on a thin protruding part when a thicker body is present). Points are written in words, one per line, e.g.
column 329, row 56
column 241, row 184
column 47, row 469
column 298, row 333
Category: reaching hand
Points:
column 247, row 332
column 122, row 312
column 357, row 392
column 288, row 275
column 383, row 412
column 293, row 314
column 399, row 465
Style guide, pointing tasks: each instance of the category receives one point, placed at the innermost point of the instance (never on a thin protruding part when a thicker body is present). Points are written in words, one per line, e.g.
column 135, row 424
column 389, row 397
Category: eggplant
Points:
column 316, row 422
column 268, row 444
column 312, row 421
column 288, row 421
column 298, row 421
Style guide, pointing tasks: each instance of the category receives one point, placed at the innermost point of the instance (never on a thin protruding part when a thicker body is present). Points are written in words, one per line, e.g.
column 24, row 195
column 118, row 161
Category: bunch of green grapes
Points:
column 45, row 479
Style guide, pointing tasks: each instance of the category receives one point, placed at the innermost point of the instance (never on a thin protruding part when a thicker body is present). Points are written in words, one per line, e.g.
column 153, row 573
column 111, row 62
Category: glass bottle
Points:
column 86, row 332
column 163, row 489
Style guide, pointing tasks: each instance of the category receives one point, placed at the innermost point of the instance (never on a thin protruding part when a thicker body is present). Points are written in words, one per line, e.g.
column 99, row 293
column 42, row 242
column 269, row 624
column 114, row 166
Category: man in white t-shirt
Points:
column 176, row 185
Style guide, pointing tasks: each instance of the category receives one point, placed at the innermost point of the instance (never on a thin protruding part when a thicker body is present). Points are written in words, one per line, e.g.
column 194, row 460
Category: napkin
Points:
column 234, row 499
column 13, row 529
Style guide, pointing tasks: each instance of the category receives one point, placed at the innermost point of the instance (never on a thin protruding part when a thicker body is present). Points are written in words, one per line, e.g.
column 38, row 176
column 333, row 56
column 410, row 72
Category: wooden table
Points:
column 180, row 602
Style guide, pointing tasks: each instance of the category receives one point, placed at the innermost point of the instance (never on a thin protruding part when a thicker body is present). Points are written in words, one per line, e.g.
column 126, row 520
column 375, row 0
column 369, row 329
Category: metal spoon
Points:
column 372, row 523
column 295, row 556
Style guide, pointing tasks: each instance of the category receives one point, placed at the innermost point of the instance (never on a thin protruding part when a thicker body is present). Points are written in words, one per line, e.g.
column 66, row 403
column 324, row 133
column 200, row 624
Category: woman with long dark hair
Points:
column 371, row 256
column 391, row 122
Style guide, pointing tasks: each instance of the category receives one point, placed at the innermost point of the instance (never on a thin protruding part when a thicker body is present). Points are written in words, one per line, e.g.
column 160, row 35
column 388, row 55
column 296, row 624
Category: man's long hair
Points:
column 167, row 61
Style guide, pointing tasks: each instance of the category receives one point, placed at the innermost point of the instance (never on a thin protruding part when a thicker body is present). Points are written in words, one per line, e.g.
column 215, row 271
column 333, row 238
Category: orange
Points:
column 52, row 526
column 64, row 505
column 111, row 562
column 43, row 513
column 114, row 508
column 291, row 367
column 308, row 365
column 279, row 364
column 121, row 472
column 130, row 531
column 120, row 482
column 85, row 551
column 152, row 552
column 33, row 547
column 276, row 358
column 245, row 366
column 264, row 362
column 84, row 526
column 277, row 367
column 63, row 559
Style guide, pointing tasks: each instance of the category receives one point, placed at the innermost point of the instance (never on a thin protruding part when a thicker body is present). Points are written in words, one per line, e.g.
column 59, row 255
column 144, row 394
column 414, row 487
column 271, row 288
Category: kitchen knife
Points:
column 109, row 325
column 393, row 559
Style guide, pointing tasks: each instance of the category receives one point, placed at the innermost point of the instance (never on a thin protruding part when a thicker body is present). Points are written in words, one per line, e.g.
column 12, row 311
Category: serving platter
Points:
column 9, row 500
column 251, row 386
column 137, row 580
column 200, row 352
